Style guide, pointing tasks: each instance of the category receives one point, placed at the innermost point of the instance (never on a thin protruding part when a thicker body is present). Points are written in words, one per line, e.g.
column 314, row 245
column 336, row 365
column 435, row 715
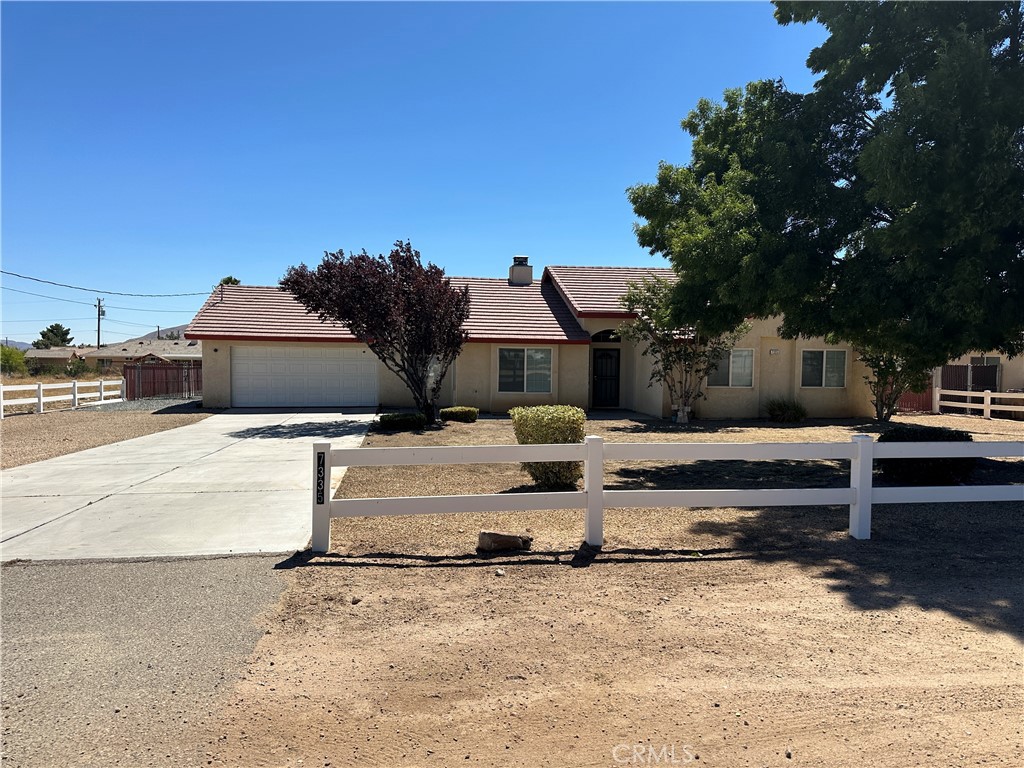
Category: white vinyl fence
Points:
column 77, row 393
column 861, row 451
column 989, row 401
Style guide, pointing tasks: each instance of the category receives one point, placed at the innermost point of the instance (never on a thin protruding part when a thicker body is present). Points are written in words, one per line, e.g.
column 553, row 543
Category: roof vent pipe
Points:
column 520, row 273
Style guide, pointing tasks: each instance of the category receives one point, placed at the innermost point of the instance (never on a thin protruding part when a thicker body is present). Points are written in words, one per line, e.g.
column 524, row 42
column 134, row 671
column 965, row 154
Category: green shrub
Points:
column 926, row 471
column 401, row 422
column 463, row 413
column 76, row 367
column 545, row 424
column 12, row 361
column 785, row 411
column 37, row 367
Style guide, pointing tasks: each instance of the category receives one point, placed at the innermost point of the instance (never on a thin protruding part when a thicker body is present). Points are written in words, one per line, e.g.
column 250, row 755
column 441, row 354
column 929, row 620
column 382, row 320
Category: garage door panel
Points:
column 303, row 376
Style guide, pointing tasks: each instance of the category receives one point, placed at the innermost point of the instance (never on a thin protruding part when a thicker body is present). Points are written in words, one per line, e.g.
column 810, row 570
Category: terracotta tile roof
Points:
column 596, row 291
column 498, row 312
column 518, row 313
column 260, row 312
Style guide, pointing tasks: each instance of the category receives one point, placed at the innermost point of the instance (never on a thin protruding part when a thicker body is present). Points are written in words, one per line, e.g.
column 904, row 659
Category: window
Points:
column 986, row 360
column 823, row 368
column 524, row 370
column 606, row 336
column 735, row 369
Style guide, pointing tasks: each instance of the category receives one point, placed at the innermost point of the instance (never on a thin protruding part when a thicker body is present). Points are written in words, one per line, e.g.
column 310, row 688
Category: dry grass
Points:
column 560, row 530
column 34, row 437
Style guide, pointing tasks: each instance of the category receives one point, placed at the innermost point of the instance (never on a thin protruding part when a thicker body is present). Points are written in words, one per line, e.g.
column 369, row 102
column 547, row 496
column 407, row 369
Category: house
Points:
column 531, row 342
column 146, row 350
column 58, row 357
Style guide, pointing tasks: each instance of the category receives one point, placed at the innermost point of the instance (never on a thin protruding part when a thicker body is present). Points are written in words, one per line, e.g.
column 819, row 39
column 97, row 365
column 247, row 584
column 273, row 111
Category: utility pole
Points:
column 100, row 312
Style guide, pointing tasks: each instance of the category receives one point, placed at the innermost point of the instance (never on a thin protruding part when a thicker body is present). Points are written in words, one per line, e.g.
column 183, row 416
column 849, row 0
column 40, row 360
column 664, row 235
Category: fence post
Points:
column 74, row 393
column 321, row 497
column 936, row 398
column 124, row 392
column 1, row 400
column 860, row 482
column 593, row 485
column 986, row 409
column 39, row 397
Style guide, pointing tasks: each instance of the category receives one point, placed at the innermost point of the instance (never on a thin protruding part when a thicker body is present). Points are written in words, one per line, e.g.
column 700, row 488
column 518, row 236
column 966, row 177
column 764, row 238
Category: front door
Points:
column 606, row 378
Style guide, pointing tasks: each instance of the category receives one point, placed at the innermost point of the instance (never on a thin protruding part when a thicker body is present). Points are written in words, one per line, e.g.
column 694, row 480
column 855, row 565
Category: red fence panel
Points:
column 163, row 380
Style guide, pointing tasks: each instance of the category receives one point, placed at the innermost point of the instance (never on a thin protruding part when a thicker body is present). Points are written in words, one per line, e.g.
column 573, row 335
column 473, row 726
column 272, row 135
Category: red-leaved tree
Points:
column 409, row 315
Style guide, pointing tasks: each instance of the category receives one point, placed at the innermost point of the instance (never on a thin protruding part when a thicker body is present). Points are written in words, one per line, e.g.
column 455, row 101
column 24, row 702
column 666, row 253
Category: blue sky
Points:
column 153, row 148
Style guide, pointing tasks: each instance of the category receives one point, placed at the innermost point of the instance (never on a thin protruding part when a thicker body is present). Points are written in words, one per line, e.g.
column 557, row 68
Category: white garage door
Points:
column 303, row 376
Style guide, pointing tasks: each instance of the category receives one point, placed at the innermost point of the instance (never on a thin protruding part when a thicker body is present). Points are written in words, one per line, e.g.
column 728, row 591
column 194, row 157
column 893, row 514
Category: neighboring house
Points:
column 146, row 350
column 530, row 343
column 58, row 357
column 1009, row 374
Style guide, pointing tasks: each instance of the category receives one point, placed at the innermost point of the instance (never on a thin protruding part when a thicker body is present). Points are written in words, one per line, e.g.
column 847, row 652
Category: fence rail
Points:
column 987, row 404
column 861, row 452
column 81, row 393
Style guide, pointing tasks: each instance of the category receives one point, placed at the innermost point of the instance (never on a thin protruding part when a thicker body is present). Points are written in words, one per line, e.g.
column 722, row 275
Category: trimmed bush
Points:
column 401, row 422
column 546, row 424
column 926, row 471
column 462, row 413
column 786, row 411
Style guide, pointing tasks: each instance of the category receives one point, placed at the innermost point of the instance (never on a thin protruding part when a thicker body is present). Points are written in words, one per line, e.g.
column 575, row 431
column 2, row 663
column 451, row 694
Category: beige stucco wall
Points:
column 476, row 378
column 777, row 364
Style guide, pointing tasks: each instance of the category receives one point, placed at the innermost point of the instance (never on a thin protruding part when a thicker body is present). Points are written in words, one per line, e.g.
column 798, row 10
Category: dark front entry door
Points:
column 606, row 378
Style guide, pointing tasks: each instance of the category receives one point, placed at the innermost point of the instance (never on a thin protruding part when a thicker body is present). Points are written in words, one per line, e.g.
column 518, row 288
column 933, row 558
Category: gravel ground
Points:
column 115, row 663
column 25, row 438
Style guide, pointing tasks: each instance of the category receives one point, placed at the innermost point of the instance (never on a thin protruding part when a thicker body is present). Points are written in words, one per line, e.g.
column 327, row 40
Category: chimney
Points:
column 520, row 273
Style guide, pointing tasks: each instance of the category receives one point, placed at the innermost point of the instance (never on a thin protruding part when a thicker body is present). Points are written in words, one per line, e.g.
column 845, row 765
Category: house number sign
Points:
column 321, row 462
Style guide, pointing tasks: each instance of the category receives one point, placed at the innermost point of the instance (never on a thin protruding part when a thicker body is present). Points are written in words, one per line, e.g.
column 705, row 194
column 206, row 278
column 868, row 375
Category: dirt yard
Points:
column 708, row 637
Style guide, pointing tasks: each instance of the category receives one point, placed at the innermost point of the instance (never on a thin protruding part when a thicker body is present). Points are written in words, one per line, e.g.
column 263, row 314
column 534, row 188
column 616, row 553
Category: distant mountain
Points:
column 179, row 329
column 22, row 345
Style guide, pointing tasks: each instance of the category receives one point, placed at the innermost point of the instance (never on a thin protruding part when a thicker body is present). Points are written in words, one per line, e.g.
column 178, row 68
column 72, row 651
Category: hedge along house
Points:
column 530, row 343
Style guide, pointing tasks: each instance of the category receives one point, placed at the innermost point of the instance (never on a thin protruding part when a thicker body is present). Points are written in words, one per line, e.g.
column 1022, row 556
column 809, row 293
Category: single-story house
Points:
column 146, row 350
column 55, row 357
column 531, row 342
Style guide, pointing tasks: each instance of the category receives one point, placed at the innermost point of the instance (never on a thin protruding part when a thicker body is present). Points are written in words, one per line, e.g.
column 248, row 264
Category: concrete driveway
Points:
column 237, row 482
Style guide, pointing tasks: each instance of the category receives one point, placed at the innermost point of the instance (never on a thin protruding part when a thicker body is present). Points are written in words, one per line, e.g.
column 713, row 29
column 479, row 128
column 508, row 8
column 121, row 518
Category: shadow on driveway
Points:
column 306, row 429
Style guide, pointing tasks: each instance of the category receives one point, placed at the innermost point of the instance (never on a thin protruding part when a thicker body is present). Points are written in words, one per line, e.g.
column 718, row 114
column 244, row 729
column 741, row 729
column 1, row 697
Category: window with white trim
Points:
column 823, row 368
column 735, row 369
column 524, row 369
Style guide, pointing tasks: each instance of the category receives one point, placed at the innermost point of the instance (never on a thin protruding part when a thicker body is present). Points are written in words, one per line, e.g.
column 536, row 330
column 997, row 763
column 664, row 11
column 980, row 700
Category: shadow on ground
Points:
column 583, row 557
column 963, row 559
column 305, row 429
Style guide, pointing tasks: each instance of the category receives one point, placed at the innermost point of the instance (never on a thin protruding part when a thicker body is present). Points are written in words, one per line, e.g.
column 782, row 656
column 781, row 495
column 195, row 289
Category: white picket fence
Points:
column 78, row 393
column 861, row 451
column 990, row 401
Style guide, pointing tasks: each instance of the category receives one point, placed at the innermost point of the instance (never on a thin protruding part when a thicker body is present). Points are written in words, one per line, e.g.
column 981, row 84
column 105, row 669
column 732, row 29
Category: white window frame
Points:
column 731, row 384
column 526, row 355
column 824, row 364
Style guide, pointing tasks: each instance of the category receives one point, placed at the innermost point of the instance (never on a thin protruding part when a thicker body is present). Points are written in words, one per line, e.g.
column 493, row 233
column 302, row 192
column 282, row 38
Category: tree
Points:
column 882, row 209
column 172, row 336
column 681, row 358
column 55, row 335
column 229, row 280
column 409, row 315
column 12, row 361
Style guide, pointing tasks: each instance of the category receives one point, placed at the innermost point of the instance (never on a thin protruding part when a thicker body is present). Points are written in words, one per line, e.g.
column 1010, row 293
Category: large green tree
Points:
column 55, row 335
column 885, row 208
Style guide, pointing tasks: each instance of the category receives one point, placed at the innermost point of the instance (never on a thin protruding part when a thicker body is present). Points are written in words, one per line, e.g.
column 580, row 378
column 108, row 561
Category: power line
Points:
column 70, row 301
column 90, row 304
column 96, row 290
column 48, row 320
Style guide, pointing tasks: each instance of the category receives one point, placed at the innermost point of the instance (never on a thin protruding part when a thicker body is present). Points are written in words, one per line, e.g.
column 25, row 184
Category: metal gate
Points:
column 163, row 380
column 968, row 378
